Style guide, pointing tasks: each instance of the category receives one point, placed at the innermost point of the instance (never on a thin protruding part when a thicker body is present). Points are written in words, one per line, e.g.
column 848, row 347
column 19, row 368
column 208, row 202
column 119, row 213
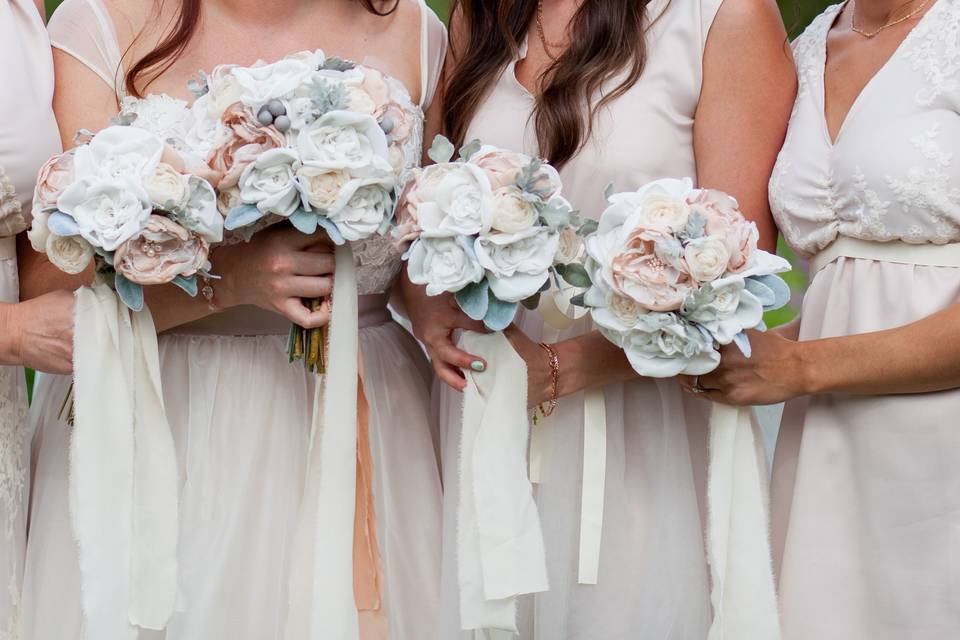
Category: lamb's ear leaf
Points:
column 331, row 230
column 474, row 299
column 588, row 227
column 779, row 287
column 187, row 284
column 764, row 294
column 743, row 343
column 304, row 222
column 441, row 150
column 131, row 294
column 499, row 314
column 62, row 224
column 242, row 216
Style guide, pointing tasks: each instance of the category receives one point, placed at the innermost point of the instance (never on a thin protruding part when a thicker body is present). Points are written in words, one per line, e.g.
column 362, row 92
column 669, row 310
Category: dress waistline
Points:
column 8, row 248
column 925, row 255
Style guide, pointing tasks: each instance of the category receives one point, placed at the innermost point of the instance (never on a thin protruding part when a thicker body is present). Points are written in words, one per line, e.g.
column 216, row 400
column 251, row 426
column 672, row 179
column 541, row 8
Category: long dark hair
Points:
column 607, row 39
column 171, row 47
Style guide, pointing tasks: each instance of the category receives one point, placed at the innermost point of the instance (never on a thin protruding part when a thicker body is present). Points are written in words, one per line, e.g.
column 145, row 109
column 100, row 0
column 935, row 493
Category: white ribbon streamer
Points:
column 123, row 471
column 500, row 549
column 738, row 544
column 322, row 604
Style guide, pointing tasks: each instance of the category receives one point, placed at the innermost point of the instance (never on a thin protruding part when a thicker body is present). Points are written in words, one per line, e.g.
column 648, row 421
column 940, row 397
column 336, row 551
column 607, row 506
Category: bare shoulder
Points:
column 747, row 29
column 744, row 14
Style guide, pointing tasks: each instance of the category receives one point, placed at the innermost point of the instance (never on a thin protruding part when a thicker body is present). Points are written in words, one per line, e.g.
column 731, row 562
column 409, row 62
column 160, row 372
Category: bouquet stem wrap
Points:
column 500, row 547
column 123, row 471
column 738, row 545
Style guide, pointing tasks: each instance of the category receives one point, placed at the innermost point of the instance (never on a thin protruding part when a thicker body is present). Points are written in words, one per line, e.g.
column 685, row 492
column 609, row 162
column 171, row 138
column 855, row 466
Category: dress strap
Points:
column 925, row 255
column 84, row 30
column 424, row 53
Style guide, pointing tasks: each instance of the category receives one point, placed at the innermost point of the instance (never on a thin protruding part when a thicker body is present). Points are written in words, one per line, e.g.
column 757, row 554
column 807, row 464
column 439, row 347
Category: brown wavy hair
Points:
column 171, row 47
column 607, row 40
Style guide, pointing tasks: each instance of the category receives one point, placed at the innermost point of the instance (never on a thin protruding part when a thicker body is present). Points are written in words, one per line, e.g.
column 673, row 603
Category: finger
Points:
column 308, row 287
column 449, row 353
column 450, row 376
column 462, row 321
column 309, row 263
column 324, row 245
column 295, row 311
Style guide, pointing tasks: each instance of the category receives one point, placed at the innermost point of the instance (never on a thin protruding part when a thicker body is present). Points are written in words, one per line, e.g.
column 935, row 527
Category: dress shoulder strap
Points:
column 433, row 50
column 84, row 30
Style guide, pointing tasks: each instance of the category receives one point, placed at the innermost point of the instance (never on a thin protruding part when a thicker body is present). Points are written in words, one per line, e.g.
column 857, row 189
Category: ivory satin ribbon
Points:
column 8, row 248
column 123, row 471
column 500, row 551
column 927, row 255
column 559, row 315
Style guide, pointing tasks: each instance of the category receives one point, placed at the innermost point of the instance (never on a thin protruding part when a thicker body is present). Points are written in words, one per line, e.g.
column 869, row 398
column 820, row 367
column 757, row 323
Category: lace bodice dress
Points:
column 240, row 415
column 866, row 492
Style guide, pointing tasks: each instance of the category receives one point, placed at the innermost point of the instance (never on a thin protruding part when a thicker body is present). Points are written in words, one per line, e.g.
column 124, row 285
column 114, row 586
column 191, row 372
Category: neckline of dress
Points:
column 831, row 21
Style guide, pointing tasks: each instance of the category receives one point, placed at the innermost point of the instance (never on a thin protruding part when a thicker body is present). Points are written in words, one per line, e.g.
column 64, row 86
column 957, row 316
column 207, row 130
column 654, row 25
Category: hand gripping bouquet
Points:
column 492, row 228
column 676, row 273
column 312, row 140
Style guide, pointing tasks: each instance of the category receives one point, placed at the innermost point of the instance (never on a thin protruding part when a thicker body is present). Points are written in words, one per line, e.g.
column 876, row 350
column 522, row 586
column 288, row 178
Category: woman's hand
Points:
column 539, row 375
column 775, row 372
column 275, row 271
column 38, row 333
column 434, row 319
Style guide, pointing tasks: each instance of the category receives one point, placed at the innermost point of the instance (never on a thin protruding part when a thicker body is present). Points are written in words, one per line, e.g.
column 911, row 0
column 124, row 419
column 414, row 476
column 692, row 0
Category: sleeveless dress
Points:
column 240, row 416
column 866, row 490
column 28, row 136
column 653, row 580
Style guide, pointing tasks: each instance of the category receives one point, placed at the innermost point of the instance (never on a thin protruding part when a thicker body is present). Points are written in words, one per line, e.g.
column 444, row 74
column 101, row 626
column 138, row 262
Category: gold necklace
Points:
column 871, row 34
column 543, row 36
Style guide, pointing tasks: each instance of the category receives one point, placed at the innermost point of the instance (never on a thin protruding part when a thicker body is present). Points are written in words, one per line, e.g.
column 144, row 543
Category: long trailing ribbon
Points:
column 743, row 591
column 123, row 471
column 500, row 550
column 335, row 580
column 559, row 315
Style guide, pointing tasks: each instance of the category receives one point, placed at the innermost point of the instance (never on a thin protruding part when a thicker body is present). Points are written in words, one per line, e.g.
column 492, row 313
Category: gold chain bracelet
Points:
column 547, row 408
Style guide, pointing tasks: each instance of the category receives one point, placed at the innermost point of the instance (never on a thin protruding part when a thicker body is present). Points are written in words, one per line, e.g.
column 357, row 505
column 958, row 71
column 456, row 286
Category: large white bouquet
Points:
column 491, row 227
column 676, row 273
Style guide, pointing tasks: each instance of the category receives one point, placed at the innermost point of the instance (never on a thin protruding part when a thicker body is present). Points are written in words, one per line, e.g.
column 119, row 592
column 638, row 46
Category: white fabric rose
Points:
column 660, row 206
column 511, row 213
column 453, row 199
column 115, row 153
column 167, row 188
column 346, row 141
column 706, row 258
column 517, row 264
column 665, row 346
column 108, row 212
column 70, row 254
column 270, row 182
column 443, row 264
column 362, row 208
column 200, row 213
column 322, row 187
column 729, row 310
column 264, row 82
column 38, row 232
column 360, row 101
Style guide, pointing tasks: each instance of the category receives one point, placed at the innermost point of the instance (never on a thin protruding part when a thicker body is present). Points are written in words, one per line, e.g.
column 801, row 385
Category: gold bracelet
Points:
column 547, row 408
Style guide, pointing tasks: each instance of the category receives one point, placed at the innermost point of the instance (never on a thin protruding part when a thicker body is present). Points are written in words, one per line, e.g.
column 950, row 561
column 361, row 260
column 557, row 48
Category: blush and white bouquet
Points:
column 676, row 273
column 124, row 201
column 491, row 227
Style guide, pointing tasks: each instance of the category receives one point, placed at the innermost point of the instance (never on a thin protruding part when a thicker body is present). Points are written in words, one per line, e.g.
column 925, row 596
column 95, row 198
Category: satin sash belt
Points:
column 8, row 248
column 925, row 255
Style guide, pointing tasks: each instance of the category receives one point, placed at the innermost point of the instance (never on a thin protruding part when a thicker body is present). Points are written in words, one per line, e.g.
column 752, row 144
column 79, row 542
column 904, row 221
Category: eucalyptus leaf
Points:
column 131, row 294
column 588, row 227
column 187, row 284
column 336, row 63
column 441, row 150
column 499, row 314
column 474, row 299
column 304, row 222
column 242, row 216
column 575, row 274
column 608, row 191
column 579, row 300
column 61, row 224
column 532, row 302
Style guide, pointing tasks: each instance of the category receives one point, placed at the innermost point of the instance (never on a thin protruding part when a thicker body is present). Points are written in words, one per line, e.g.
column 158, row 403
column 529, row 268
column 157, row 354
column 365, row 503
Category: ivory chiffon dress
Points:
column 653, row 579
column 28, row 136
column 240, row 416
column 866, row 491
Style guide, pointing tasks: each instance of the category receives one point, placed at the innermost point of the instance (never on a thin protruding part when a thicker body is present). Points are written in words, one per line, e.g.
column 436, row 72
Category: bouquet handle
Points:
column 738, row 543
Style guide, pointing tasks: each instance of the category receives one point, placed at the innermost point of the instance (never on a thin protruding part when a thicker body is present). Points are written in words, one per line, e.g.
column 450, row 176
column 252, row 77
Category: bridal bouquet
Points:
column 123, row 201
column 676, row 274
column 490, row 227
column 314, row 140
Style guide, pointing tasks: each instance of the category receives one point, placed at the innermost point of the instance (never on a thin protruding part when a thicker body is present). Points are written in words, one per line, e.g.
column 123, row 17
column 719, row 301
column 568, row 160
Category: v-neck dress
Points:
column 866, row 490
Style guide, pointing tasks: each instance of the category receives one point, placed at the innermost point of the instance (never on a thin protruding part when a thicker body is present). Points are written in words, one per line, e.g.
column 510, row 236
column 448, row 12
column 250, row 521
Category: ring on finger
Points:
column 696, row 388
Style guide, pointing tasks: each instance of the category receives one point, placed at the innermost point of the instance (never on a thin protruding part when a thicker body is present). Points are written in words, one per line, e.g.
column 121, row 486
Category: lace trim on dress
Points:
column 12, row 221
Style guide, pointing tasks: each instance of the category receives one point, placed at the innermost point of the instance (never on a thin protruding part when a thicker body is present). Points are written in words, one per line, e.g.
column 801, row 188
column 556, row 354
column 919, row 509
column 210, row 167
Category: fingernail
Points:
column 478, row 366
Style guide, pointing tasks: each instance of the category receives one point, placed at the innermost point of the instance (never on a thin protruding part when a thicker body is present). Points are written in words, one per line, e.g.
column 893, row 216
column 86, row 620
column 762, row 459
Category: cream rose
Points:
column 322, row 187
column 70, row 254
column 663, row 212
column 163, row 251
column 228, row 199
column 360, row 101
column 511, row 213
column 362, row 209
column 452, row 199
column 706, row 258
column 570, row 247
column 626, row 310
column 724, row 219
column 167, row 188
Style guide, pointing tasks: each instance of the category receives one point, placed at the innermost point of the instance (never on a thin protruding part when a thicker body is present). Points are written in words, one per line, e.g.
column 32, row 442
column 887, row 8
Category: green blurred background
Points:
column 796, row 15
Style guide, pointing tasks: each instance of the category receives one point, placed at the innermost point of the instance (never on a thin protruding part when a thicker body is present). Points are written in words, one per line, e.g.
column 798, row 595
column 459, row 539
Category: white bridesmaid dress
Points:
column 653, row 579
column 240, row 416
column 28, row 136
column 866, row 490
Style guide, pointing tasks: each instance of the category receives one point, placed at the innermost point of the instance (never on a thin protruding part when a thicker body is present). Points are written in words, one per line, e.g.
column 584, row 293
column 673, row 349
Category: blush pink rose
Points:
column 162, row 251
column 55, row 176
column 638, row 273
column 246, row 141
column 724, row 219
column 407, row 225
column 375, row 85
column 400, row 119
column 501, row 167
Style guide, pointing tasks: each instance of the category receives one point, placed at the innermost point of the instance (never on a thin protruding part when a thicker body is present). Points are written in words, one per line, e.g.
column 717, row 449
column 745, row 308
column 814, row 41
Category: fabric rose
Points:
column 406, row 224
column 363, row 208
column 517, row 264
column 638, row 272
column 163, row 251
column 443, row 264
column 264, row 82
column 659, row 206
column 168, row 118
column 347, row 141
column 107, row 212
column 118, row 153
column 270, row 183
column 228, row 199
column 570, row 246
column 376, row 86
column 167, row 188
column 55, row 176
column 706, row 258
column 504, row 167
column 200, row 213
column 725, row 311
column 724, row 219
column 395, row 121
column 663, row 345
column 452, row 199
column 38, row 232
column 322, row 187
column 511, row 212
column 70, row 254
column 244, row 141
column 359, row 101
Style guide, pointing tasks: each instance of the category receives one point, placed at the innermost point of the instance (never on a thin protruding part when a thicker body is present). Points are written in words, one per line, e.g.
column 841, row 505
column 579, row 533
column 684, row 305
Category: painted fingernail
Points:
column 478, row 366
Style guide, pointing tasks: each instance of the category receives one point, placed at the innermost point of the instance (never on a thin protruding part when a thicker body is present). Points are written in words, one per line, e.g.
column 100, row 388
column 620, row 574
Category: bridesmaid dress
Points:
column 653, row 580
column 866, row 490
column 240, row 415
column 28, row 136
